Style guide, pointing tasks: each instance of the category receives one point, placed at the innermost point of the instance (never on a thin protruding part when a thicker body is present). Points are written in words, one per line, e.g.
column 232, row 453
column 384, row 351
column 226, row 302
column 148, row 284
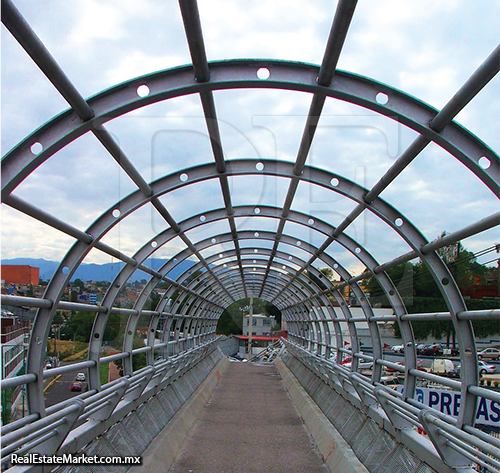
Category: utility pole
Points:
column 250, row 322
column 451, row 329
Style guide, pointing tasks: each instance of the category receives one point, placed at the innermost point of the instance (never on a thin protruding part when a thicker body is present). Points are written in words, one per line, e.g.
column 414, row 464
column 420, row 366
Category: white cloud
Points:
column 426, row 48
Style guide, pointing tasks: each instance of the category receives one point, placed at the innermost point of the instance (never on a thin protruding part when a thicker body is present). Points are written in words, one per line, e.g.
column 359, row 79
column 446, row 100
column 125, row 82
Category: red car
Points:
column 76, row 386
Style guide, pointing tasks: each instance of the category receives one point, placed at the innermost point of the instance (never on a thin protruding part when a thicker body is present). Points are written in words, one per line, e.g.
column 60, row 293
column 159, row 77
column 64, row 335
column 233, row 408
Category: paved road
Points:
column 60, row 389
column 249, row 426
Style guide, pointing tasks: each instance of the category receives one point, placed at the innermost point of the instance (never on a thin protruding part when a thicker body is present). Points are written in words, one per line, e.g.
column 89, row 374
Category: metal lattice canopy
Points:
column 261, row 172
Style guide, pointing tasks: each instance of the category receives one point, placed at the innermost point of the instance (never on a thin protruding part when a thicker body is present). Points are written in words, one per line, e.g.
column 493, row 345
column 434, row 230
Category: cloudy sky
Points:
column 425, row 48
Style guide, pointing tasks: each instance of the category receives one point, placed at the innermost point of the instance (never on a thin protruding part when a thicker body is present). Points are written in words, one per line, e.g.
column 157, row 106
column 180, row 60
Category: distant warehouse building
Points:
column 20, row 274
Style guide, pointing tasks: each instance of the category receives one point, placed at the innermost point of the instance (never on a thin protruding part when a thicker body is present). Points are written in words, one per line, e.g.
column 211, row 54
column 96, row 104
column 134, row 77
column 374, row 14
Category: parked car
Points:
column 432, row 350
column 485, row 368
column 80, row 377
column 76, row 386
column 362, row 364
column 389, row 380
column 420, row 347
column 449, row 351
column 398, row 348
column 489, row 353
column 422, row 365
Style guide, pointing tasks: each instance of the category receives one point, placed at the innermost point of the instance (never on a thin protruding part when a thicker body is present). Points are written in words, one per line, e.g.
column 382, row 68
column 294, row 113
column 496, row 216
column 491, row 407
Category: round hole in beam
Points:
column 382, row 98
column 357, row 250
column 213, row 240
column 36, row 148
column 116, row 213
column 299, row 243
column 334, row 182
column 143, row 90
column 290, row 258
column 96, row 335
column 65, row 270
column 183, row 177
column 335, row 266
column 263, row 73
column 221, row 255
column 484, row 162
column 154, row 244
column 256, row 250
column 256, row 210
column 399, row 222
column 254, row 261
column 203, row 218
column 445, row 281
column 310, row 221
column 256, row 234
column 259, row 166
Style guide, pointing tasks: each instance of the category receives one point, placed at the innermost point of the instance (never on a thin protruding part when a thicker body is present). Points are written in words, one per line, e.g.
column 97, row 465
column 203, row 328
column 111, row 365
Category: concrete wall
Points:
column 229, row 345
column 374, row 447
column 157, row 429
column 338, row 455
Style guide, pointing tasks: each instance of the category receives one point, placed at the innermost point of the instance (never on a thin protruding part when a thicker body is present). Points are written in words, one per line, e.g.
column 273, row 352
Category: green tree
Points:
column 79, row 326
column 78, row 283
column 231, row 320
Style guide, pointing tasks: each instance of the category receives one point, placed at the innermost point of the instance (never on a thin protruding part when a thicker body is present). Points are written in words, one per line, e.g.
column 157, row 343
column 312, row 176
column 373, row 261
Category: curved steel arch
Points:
column 65, row 128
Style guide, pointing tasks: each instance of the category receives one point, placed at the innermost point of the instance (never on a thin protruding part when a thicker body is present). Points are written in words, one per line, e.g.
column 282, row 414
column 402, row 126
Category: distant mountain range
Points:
column 99, row 272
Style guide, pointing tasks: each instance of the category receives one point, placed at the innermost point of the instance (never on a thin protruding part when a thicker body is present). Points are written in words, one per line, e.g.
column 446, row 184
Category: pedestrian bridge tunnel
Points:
column 197, row 167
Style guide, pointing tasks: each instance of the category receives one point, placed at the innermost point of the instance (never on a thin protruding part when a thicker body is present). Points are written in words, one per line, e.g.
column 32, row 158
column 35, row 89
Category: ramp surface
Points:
column 251, row 426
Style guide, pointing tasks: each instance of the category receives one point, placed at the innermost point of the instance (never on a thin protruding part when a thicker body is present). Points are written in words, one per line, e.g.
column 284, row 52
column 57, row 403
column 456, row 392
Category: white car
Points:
column 398, row 348
column 491, row 353
column 362, row 364
column 80, row 377
column 485, row 368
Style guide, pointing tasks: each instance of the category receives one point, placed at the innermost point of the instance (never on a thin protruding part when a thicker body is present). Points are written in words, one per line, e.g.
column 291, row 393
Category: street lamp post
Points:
column 250, row 322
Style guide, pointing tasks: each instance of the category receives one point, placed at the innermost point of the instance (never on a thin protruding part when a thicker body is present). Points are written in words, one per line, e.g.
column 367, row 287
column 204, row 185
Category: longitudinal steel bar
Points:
column 194, row 34
column 18, row 381
column 210, row 113
column 121, row 158
column 336, row 39
column 483, row 74
column 67, row 369
column 175, row 226
column 48, row 219
column 192, row 25
column 26, row 37
column 470, row 230
column 20, row 301
column 466, row 93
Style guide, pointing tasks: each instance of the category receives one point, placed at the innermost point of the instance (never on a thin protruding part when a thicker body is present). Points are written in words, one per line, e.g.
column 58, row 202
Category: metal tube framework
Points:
column 257, row 262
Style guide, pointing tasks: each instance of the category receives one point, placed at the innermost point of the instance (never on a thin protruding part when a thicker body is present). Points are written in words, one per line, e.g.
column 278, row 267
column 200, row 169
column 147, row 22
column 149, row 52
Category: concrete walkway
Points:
column 250, row 426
